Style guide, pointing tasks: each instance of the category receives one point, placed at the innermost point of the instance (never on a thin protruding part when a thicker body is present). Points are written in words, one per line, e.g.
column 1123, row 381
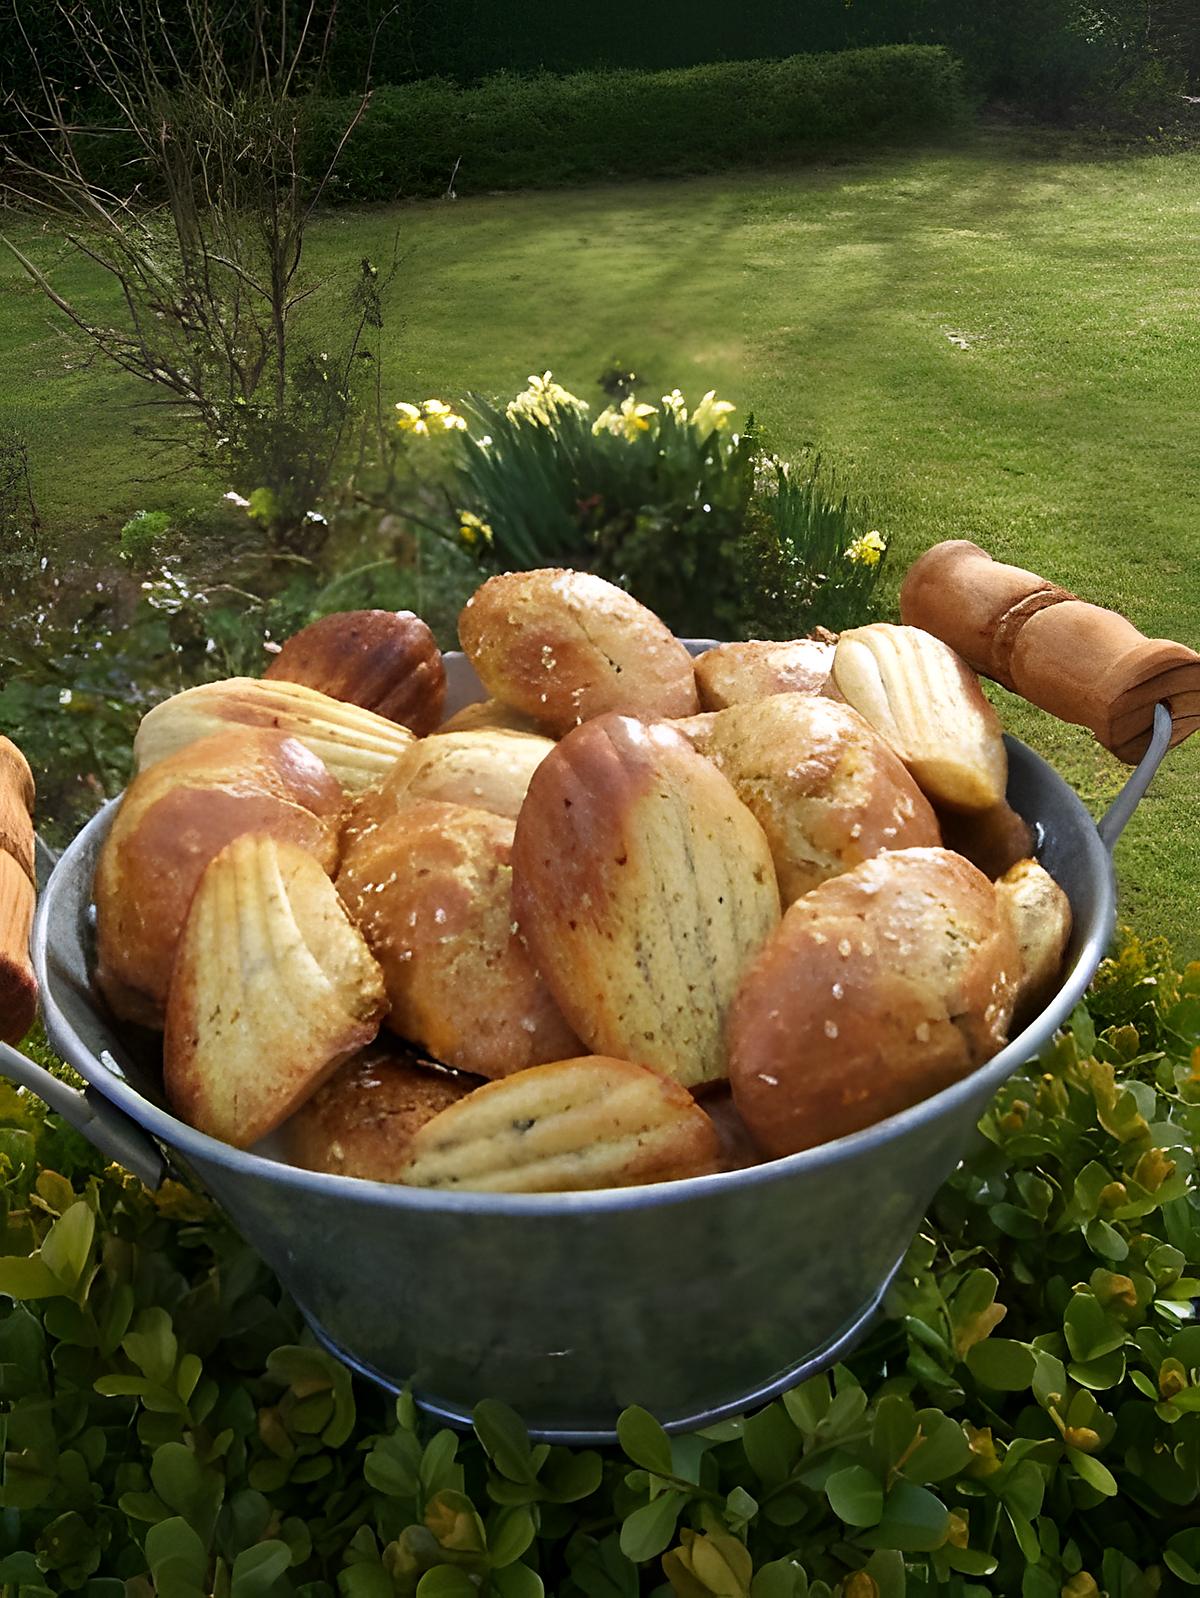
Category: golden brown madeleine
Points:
column 431, row 889
column 18, row 985
column 491, row 713
column 487, row 769
column 880, row 988
column 16, row 807
column 566, row 1127
column 1040, row 913
column 273, row 989
column 736, row 674
column 564, row 646
column 642, row 885
column 826, row 789
column 359, row 747
column 927, row 703
column 387, row 661
column 172, row 820
column 992, row 839
column 363, row 1119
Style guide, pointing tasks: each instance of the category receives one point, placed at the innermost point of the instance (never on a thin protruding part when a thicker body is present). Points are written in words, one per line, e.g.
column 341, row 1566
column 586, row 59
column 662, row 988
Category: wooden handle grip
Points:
column 18, row 893
column 1080, row 662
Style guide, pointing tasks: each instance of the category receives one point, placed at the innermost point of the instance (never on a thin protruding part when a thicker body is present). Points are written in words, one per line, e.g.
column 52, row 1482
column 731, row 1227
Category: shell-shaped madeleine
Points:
column 570, row 1126
column 357, row 746
column 879, row 988
column 1040, row 915
column 927, row 703
column 431, row 888
column 738, row 674
column 825, row 788
column 490, row 713
column 387, row 661
column 487, row 769
column 642, row 885
column 171, row 822
column 273, row 988
column 564, row 646
column 364, row 1118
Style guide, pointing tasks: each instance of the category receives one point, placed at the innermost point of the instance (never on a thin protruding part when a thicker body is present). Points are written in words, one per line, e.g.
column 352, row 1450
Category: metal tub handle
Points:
column 1116, row 817
column 108, row 1129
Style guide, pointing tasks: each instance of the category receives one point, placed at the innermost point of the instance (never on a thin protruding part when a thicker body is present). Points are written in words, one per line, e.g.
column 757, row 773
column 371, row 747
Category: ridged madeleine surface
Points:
column 364, row 1118
column 827, row 790
column 172, row 820
column 431, row 888
column 357, row 746
column 737, row 674
column 1040, row 914
column 880, row 988
column 487, row 769
column 564, row 646
column 273, row 989
column 642, row 886
column 567, row 1127
column 387, row 661
column 927, row 703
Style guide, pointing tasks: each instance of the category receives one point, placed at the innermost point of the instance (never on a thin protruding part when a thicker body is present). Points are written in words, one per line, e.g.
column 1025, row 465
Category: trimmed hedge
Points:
column 541, row 131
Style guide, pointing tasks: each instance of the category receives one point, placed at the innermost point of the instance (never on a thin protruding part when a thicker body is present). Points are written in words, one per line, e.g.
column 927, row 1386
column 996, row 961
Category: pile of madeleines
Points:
column 634, row 917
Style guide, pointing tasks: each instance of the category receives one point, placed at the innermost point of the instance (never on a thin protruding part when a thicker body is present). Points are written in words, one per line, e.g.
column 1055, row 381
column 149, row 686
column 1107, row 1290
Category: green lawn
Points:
column 1062, row 436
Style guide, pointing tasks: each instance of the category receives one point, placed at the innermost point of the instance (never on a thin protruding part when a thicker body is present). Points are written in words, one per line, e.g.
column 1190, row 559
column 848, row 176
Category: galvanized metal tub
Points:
column 697, row 1299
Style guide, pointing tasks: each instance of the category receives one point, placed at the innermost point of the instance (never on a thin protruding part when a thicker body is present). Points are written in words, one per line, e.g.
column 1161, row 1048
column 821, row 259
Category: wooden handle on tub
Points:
column 18, row 892
column 1078, row 661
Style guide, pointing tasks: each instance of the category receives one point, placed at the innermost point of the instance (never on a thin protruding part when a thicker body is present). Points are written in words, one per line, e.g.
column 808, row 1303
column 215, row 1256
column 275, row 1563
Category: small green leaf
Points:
column 510, row 1530
column 505, row 1440
column 913, row 1521
column 1002, row 1365
column 447, row 1581
column 855, row 1496
column 1093, row 1472
column 780, row 1578
column 28, row 1277
column 178, row 1560
column 257, row 1569
column 1182, row 1555
column 68, row 1243
column 644, row 1441
column 649, row 1530
column 515, row 1581
column 1091, row 1331
column 1100, row 1374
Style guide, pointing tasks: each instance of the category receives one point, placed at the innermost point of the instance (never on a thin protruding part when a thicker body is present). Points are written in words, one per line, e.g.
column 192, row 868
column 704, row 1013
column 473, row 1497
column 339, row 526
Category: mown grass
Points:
column 997, row 341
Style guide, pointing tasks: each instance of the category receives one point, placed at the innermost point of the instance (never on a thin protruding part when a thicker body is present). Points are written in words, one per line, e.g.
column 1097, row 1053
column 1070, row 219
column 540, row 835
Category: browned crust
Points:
column 564, row 646
column 430, row 888
column 16, row 808
column 880, row 988
column 992, row 840
column 384, row 660
column 826, row 789
column 174, row 818
column 364, row 1118
column 18, row 987
column 738, row 673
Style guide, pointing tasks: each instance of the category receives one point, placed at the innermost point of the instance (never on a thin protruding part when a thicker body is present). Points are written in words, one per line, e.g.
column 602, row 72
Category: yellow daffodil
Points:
column 410, row 420
column 472, row 528
column 627, row 420
column 439, row 414
column 711, row 414
column 542, row 399
column 867, row 550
